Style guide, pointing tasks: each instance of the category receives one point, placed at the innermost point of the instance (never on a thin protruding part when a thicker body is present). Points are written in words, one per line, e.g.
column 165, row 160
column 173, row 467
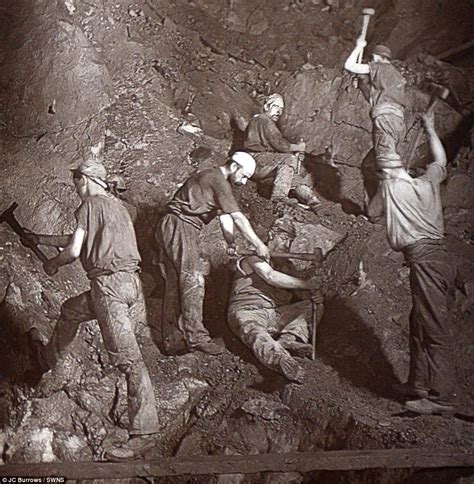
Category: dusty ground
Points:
column 157, row 61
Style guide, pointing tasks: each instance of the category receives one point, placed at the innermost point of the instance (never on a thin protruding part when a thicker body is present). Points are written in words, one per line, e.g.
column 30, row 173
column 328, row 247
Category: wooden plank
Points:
column 248, row 464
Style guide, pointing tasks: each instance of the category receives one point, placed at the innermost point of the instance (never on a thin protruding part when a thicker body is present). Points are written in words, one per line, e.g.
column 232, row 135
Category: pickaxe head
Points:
column 7, row 215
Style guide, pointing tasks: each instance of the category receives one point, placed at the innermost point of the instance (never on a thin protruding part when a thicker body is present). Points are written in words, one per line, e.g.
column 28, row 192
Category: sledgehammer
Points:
column 8, row 217
column 366, row 14
column 437, row 92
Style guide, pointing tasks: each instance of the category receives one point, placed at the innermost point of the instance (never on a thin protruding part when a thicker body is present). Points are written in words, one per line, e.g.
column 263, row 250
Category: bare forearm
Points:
column 54, row 240
column 436, row 146
column 227, row 226
column 247, row 230
column 63, row 258
column 353, row 66
column 285, row 281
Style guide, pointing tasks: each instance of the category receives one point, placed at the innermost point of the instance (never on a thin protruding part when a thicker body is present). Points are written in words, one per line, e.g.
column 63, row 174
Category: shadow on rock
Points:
column 350, row 346
column 328, row 183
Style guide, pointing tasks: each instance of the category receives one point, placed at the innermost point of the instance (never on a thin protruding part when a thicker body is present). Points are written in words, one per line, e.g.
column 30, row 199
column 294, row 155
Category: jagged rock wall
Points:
column 332, row 117
column 51, row 75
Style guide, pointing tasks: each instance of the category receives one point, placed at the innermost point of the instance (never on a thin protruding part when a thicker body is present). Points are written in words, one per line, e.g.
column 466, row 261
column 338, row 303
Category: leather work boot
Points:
column 296, row 348
column 209, row 347
column 134, row 448
column 409, row 391
column 424, row 406
column 315, row 206
column 291, row 370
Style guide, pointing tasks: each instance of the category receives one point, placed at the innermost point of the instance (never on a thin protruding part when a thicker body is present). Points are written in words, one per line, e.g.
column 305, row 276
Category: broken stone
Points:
column 186, row 128
column 311, row 237
column 266, row 409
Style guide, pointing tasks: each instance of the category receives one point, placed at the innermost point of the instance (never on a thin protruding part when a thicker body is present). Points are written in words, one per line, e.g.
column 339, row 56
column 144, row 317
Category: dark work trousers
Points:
column 109, row 301
column 182, row 269
column 432, row 277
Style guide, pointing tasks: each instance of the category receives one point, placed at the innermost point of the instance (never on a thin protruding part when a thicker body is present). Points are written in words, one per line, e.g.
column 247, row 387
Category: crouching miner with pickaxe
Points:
column 105, row 242
column 269, row 308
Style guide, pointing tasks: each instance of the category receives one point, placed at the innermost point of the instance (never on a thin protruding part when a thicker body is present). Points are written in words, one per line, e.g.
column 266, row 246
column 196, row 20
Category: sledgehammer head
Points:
column 439, row 91
column 368, row 11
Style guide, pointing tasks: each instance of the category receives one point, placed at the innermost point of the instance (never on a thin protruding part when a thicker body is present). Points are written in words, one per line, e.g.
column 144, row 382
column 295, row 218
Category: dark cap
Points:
column 286, row 225
column 382, row 50
column 92, row 169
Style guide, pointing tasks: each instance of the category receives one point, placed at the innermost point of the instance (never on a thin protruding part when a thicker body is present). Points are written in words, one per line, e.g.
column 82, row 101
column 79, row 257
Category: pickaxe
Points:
column 437, row 92
column 8, row 217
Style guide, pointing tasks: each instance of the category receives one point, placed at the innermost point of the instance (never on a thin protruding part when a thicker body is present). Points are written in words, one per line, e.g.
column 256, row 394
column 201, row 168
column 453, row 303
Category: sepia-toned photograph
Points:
column 236, row 241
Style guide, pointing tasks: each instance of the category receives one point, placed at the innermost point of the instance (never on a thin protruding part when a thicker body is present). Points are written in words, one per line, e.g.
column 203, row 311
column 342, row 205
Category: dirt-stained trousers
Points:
column 110, row 300
column 287, row 173
column 182, row 270
column 257, row 329
column 388, row 133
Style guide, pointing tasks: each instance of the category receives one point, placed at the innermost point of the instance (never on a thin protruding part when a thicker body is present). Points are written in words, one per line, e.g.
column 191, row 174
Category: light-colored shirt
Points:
column 110, row 243
column 413, row 208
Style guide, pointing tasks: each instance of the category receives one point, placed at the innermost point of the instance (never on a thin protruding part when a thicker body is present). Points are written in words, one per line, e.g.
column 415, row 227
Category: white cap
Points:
column 246, row 161
column 274, row 99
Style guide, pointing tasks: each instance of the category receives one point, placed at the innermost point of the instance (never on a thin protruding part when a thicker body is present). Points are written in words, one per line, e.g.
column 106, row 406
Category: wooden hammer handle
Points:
column 9, row 218
column 286, row 255
column 366, row 14
column 416, row 139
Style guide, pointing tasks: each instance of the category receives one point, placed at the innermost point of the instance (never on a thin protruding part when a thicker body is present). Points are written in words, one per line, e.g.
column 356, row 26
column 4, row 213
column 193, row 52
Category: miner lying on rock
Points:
column 205, row 195
column 414, row 220
column 277, row 158
column 105, row 242
column 270, row 309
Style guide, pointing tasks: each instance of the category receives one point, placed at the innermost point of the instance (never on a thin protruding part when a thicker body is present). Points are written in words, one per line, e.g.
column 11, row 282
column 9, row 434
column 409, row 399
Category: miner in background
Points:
column 265, row 311
column 278, row 159
column 414, row 220
column 205, row 195
column 104, row 240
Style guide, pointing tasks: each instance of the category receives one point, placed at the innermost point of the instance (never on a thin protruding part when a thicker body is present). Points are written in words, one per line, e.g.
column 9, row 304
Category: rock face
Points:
column 332, row 117
column 51, row 77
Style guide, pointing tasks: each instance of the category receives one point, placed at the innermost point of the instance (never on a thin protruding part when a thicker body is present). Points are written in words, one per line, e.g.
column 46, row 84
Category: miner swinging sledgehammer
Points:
column 386, row 94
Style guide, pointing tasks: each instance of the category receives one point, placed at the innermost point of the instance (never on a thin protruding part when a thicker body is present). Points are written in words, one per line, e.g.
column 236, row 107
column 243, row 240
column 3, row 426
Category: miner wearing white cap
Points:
column 277, row 158
column 204, row 195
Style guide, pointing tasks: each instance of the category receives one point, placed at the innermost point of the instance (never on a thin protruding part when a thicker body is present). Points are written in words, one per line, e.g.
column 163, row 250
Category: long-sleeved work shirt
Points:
column 263, row 134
